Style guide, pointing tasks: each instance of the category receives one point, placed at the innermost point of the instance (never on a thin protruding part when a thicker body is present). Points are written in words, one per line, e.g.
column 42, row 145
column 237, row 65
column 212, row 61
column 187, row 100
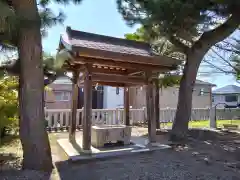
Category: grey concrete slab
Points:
column 139, row 144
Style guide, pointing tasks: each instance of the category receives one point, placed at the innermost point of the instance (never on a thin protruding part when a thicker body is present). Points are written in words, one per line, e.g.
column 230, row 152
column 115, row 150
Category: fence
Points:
column 60, row 118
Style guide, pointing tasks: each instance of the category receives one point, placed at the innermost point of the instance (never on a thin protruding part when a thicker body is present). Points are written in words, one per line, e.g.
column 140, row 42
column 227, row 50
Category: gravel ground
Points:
column 180, row 163
column 167, row 164
column 158, row 165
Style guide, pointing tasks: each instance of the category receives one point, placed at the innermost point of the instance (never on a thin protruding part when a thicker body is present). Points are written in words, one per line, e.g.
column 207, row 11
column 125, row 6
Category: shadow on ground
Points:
column 8, row 161
column 7, row 140
column 205, row 155
column 10, row 169
column 222, row 147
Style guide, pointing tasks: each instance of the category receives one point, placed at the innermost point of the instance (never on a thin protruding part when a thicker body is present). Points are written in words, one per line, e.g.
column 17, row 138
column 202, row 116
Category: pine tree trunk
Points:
column 194, row 58
column 34, row 138
column 184, row 107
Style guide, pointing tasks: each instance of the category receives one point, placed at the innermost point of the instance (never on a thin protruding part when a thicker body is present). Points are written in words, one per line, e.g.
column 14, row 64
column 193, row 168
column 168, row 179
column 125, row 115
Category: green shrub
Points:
column 8, row 105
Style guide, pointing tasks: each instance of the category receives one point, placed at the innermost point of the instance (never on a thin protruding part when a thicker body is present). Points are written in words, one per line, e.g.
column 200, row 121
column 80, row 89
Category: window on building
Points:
column 231, row 98
column 201, row 92
column 117, row 90
column 62, row 95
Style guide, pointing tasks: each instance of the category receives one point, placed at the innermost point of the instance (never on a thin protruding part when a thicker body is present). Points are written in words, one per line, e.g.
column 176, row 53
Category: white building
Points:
column 227, row 96
column 59, row 96
column 113, row 97
column 108, row 97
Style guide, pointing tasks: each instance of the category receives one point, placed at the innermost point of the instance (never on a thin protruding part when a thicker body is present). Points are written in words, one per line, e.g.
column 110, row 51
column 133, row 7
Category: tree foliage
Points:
column 9, row 25
column 170, row 80
column 192, row 27
column 181, row 22
column 11, row 66
column 161, row 47
column 139, row 35
column 10, row 22
column 235, row 59
column 8, row 103
column 21, row 25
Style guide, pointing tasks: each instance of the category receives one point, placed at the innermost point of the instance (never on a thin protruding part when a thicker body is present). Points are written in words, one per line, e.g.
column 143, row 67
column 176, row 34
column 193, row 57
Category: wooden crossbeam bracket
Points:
column 118, row 78
column 131, row 58
column 122, row 64
column 113, row 84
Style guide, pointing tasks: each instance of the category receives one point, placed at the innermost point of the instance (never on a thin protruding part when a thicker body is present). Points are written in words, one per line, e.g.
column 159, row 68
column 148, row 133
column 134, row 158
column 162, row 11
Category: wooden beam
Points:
column 134, row 73
column 132, row 58
column 126, row 106
column 75, row 91
column 150, row 109
column 122, row 64
column 87, row 117
column 101, row 69
column 113, row 84
column 118, row 78
column 109, row 71
column 156, row 103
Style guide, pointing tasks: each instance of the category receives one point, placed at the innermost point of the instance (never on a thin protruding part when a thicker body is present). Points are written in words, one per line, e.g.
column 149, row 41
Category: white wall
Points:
column 111, row 100
column 221, row 99
column 169, row 97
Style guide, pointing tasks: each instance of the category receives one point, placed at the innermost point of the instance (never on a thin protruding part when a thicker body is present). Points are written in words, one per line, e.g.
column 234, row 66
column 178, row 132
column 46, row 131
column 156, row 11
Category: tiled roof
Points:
column 100, row 42
column 229, row 89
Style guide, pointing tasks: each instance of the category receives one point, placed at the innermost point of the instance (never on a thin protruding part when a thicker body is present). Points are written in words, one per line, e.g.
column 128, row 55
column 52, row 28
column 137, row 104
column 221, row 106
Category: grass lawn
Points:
column 205, row 124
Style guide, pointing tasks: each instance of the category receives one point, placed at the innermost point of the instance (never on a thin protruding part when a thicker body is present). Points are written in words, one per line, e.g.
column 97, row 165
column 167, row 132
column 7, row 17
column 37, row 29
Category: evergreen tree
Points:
column 160, row 46
column 235, row 60
column 191, row 26
column 22, row 24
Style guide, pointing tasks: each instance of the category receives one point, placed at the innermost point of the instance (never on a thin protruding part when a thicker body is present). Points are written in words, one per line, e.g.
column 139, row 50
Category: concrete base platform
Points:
column 138, row 144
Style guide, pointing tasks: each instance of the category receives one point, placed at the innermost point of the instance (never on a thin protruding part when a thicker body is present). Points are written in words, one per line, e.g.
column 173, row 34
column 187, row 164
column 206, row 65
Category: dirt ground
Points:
column 205, row 155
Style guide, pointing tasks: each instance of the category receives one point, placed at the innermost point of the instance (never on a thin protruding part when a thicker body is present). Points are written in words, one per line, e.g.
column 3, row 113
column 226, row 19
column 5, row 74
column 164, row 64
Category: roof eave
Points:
column 166, row 61
column 216, row 93
column 65, row 41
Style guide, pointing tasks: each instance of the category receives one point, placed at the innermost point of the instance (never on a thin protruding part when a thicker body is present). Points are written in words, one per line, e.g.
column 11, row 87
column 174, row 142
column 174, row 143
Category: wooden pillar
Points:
column 75, row 91
column 156, row 103
column 87, row 119
column 126, row 106
column 150, row 109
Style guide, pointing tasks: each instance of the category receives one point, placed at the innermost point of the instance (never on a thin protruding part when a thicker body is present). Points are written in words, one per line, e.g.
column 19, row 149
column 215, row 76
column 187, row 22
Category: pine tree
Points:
column 191, row 26
column 22, row 24
column 235, row 59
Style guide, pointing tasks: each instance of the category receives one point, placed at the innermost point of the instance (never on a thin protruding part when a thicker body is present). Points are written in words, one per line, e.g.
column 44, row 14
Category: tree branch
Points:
column 218, row 68
column 13, row 69
column 226, row 61
column 218, row 34
column 178, row 44
column 232, row 50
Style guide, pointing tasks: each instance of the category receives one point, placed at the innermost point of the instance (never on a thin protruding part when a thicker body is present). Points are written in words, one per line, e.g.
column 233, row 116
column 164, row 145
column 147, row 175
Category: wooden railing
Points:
column 60, row 118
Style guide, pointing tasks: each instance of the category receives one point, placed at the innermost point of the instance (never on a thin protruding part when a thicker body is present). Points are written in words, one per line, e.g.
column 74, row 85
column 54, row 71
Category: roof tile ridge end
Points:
column 69, row 32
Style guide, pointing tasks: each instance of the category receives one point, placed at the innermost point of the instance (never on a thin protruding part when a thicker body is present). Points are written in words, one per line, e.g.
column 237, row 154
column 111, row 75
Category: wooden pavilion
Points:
column 113, row 62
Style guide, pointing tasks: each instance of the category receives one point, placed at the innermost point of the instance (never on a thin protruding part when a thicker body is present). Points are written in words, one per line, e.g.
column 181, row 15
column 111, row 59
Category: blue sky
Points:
column 102, row 17
column 95, row 16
